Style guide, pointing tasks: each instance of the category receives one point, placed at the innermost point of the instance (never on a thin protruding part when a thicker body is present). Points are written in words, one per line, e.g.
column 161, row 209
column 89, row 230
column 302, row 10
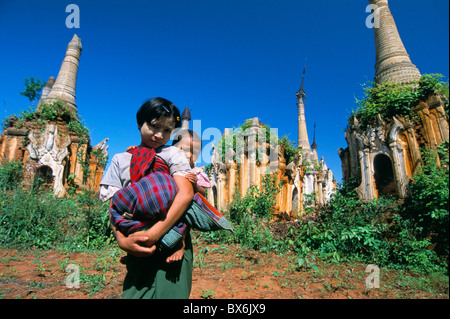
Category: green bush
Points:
column 50, row 112
column 290, row 150
column 382, row 231
column 391, row 99
column 428, row 205
column 411, row 251
column 250, row 214
column 39, row 219
column 11, row 175
column 348, row 229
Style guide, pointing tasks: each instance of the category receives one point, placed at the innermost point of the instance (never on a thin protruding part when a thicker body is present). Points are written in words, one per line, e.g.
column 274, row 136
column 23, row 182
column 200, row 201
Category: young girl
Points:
column 151, row 194
column 149, row 275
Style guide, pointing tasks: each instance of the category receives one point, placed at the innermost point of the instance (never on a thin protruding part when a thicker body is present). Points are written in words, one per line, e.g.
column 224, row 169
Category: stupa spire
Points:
column 303, row 141
column 47, row 88
column 314, row 145
column 393, row 63
column 185, row 118
column 65, row 84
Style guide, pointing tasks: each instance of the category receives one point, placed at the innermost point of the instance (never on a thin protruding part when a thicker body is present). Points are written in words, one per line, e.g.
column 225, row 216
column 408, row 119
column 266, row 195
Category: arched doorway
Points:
column 295, row 201
column 43, row 177
column 384, row 175
column 214, row 192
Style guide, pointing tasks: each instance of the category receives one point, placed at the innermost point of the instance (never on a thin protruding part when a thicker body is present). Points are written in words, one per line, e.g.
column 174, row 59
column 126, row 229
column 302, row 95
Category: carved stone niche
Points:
column 48, row 148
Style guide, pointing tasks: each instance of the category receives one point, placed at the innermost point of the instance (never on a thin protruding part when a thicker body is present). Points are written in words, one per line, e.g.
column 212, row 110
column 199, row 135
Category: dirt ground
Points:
column 220, row 272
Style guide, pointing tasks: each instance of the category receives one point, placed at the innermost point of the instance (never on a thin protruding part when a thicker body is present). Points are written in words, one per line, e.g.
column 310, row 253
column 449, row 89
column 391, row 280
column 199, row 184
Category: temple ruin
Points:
column 385, row 155
column 305, row 181
column 53, row 153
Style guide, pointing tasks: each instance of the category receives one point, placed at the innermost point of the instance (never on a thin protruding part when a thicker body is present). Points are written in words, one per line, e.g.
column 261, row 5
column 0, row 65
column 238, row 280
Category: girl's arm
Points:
column 180, row 204
column 201, row 190
column 192, row 177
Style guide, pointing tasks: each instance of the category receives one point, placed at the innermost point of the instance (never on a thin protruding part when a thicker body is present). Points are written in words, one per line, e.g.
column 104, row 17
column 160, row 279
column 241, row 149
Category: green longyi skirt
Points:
column 153, row 278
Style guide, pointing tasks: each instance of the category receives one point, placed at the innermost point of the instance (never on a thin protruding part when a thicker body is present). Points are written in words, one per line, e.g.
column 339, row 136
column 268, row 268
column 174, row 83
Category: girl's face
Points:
column 157, row 133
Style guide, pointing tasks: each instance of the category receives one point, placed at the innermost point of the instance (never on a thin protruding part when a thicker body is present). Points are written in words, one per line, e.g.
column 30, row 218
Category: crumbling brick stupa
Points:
column 384, row 155
column 305, row 181
column 55, row 150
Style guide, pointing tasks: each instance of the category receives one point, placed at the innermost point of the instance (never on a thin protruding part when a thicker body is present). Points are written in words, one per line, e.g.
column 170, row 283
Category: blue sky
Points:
column 228, row 61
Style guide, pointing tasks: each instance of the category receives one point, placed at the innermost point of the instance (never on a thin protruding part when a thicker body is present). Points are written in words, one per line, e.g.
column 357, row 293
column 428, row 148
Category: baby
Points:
column 191, row 144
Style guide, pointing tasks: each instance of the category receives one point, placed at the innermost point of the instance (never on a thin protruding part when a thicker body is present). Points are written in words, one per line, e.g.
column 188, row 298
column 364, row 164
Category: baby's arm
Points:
column 192, row 177
column 180, row 204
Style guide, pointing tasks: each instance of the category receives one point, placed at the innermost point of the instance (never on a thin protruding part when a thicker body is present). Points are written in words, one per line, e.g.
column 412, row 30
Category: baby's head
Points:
column 190, row 143
column 156, row 120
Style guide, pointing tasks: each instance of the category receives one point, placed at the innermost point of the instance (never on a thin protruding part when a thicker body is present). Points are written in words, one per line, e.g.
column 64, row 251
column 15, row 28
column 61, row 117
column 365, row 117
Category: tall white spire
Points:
column 302, row 141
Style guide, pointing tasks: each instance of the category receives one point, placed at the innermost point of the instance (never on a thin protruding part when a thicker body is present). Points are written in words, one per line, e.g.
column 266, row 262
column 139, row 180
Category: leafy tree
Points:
column 33, row 88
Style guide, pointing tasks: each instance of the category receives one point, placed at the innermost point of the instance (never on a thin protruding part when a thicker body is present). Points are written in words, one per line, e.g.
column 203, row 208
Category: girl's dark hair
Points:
column 156, row 107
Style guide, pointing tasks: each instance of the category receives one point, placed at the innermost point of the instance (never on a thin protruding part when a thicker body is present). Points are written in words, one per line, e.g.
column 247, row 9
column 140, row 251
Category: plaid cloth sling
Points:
column 148, row 198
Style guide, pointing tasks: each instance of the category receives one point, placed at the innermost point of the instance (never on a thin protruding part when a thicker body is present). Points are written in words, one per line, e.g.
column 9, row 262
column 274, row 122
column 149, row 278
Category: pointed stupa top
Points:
column 314, row 145
column 185, row 118
column 75, row 43
column 186, row 115
column 65, row 84
column 393, row 63
column 301, row 93
column 302, row 141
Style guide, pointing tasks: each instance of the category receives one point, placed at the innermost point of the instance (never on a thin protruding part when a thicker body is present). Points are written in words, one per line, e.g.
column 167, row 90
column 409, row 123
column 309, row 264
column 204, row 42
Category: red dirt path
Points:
column 220, row 272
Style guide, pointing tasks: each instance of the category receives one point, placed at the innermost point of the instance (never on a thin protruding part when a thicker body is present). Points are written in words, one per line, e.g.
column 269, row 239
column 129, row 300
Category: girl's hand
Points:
column 136, row 246
column 149, row 237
